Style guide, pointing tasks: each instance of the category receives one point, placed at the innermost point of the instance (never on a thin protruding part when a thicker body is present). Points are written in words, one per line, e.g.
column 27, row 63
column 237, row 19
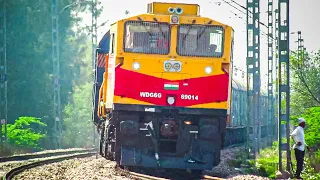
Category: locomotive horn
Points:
column 179, row 10
column 171, row 10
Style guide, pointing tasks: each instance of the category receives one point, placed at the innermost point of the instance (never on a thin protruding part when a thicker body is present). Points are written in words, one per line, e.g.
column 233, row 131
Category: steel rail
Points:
column 10, row 174
column 137, row 175
column 33, row 156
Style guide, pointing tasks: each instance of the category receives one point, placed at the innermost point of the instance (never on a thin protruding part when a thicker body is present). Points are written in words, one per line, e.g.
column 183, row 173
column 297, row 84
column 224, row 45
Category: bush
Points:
column 310, row 171
column 312, row 129
column 25, row 134
column 267, row 160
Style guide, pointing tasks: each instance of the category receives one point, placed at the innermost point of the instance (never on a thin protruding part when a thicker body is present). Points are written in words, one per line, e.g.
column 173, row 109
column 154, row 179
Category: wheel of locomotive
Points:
column 113, row 148
column 196, row 172
column 110, row 142
column 102, row 144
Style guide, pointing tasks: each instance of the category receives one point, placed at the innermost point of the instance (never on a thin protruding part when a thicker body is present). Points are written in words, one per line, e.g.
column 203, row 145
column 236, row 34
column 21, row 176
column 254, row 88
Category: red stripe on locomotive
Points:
column 202, row 90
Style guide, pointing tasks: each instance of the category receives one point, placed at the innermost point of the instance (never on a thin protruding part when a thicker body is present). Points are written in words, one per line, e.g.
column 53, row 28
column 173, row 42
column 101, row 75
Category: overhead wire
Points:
column 263, row 33
column 263, row 24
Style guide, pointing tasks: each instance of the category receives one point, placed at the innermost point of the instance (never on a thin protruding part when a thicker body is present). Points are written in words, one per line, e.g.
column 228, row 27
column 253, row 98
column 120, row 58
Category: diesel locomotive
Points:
column 162, row 88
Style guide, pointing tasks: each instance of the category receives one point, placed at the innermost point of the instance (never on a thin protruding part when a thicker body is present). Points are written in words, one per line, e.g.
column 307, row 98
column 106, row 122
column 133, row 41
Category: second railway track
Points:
column 43, row 155
column 82, row 154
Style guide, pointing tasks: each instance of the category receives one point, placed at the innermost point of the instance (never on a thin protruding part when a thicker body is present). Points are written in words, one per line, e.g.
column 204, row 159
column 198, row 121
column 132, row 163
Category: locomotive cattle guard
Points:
column 163, row 97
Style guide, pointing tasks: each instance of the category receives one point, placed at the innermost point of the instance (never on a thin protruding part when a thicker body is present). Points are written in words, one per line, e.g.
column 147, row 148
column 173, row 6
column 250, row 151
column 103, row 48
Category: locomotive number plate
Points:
column 189, row 97
column 150, row 94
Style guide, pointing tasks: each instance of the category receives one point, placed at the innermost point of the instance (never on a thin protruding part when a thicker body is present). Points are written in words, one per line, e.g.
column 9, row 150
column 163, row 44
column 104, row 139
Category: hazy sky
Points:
column 303, row 16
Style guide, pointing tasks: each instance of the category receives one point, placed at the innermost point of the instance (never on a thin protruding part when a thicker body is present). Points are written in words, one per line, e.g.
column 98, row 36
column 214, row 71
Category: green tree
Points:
column 26, row 133
column 305, row 73
column 312, row 130
column 78, row 126
column 29, row 54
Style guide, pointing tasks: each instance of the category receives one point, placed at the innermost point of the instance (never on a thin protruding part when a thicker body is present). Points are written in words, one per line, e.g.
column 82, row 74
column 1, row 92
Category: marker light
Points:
column 187, row 122
column 170, row 100
column 136, row 66
column 208, row 70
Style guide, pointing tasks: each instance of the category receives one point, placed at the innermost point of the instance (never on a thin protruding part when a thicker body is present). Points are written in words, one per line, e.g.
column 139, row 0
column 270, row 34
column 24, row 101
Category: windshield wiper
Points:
column 188, row 31
column 145, row 27
column 201, row 33
column 162, row 33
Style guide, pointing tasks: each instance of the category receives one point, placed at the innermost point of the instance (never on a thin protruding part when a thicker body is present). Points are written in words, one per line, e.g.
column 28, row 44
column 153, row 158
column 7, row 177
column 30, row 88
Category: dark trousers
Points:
column 299, row 157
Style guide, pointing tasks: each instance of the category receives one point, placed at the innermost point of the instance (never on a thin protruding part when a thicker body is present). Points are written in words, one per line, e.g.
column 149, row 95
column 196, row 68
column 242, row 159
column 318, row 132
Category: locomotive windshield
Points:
column 146, row 37
column 200, row 40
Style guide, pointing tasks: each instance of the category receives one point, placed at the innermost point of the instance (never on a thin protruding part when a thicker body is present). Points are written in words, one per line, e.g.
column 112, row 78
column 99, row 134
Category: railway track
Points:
column 10, row 174
column 34, row 156
column 166, row 175
column 148, row 177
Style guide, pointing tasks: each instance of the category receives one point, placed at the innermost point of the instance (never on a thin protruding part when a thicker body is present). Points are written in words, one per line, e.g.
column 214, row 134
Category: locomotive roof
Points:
column 104, row 44
column 243, row 86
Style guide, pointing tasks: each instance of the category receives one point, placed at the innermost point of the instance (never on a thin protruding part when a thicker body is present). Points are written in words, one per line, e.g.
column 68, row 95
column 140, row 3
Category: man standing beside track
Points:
column 299, row 146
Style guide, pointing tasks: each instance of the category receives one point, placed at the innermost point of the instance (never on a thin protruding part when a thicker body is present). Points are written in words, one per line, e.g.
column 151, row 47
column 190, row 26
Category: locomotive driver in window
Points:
column 299, row 146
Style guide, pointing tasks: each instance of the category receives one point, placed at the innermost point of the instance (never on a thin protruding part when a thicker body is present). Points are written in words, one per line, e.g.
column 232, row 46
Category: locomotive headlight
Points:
column 136, row 66
column 176, row 66
column 167, row 66
column 208, row 70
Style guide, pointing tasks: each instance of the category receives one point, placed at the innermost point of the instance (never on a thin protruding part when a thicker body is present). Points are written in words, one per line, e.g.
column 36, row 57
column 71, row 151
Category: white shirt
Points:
column 298, row 136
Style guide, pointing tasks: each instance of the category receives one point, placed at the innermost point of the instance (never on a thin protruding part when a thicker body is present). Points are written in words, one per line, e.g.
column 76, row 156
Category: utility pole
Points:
column 253, row 73
column 270, row 119
column 3, row 72
column 300, row 49
column 56, row 73
column 94, row 31
column 284, row 81
column 277, row 70
column 94, row 53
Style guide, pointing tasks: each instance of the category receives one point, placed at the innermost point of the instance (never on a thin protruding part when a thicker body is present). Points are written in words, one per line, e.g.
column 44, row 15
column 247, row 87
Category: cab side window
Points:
column 112, row 43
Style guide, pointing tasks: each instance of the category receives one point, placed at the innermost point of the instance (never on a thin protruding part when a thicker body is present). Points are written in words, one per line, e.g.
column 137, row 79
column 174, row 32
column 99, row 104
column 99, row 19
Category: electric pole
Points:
column 3, row 72
column 301, row 49
column 94, row 52
column 253, row 74
column 56, row 73
column 284, row 82
column 271, row 119
column 275, row 135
